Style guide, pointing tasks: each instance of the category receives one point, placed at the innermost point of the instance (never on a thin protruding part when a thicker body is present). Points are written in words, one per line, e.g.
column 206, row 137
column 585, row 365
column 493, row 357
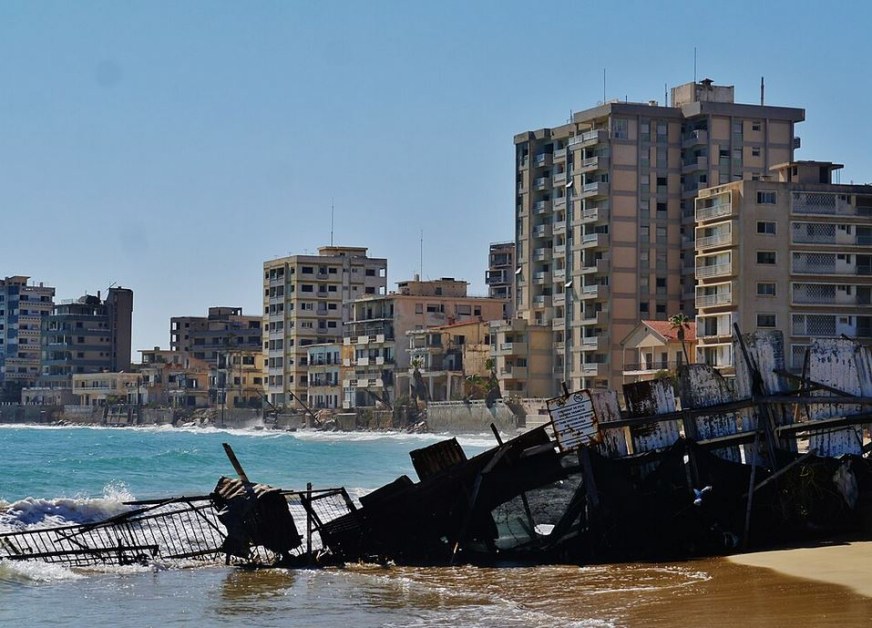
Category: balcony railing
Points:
column 714, row 270
column 718, row 239
column 714, row 211
column 712, row 300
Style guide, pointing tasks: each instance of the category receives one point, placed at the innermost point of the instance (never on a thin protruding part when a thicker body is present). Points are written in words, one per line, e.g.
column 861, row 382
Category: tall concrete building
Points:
column 306, row 301
column 22, row 309
column 222, row 330
column 604, row 214
column 86, row 335
column 792, row 252
column 500, row 276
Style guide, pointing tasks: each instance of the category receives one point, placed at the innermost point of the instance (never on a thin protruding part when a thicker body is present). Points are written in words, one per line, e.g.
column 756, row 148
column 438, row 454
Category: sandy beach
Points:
column 847, row 564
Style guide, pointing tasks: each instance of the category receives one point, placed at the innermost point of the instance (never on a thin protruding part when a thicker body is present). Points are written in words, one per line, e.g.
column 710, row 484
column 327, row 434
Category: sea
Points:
column 56, row 475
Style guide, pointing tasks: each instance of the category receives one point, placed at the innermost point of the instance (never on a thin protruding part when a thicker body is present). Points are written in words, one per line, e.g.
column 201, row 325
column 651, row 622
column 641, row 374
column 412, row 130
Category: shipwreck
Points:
column 692, row 466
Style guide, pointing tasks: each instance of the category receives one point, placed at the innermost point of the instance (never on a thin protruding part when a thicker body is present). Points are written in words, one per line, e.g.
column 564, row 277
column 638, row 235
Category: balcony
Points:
column 720, row 237
column 594, row 240
column 541, row 301
column 559, row 274
column 595, row 343
column 542, row 231
column 558, row 202
column 594, row 214
column 559, row 227
column 715, row 210
column 594, row 369
column 714, row 300
column 695, row 138
column 559, row 156
column 694, row 165
column 511, row 348
column 513, row 372
column 595, row 189
column 543, row 159
column 595, row 291
column 540, row 207
column 590, row 138
column 722, row 269
column 559, row 178
column 542, row 253
column 592, row 164
column 825, row 204
column 542, row 277
column 559, row 250
column 542, row 183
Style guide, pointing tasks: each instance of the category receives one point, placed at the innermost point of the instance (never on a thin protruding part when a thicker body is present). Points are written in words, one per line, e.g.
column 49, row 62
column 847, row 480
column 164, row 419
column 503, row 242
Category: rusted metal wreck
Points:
column 694, row 466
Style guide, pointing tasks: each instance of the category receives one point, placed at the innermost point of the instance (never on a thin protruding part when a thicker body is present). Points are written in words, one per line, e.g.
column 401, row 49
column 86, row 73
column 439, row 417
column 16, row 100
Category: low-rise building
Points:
column 523, row 355
column 654, row 348
column 100, row 389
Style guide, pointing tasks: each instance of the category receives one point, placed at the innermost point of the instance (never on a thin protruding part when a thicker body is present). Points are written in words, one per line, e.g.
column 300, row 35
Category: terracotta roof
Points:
column 665, row 329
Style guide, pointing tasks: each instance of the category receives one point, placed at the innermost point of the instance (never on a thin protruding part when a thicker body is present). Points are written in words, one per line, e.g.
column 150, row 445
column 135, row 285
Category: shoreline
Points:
column 847, row 564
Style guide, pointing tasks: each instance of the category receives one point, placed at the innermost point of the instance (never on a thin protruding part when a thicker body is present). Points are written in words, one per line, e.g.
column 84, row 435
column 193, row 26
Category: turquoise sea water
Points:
column 53, row 475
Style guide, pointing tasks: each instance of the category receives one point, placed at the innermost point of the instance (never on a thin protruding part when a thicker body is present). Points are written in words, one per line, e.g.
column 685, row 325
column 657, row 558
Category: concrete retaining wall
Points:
column 474, row 417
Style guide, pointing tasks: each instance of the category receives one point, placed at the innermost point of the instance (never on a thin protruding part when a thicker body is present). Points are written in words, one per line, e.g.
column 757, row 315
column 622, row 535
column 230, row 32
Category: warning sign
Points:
column 574, row 420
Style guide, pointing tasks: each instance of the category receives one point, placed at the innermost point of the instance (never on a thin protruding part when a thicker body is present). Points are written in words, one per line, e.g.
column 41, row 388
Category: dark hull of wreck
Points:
column 646, row 507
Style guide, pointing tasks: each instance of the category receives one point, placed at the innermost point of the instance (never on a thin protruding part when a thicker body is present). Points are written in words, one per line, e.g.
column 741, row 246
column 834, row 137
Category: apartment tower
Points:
column 604, row 214
column 22, row 309
column 792, row 252
column 306, row 301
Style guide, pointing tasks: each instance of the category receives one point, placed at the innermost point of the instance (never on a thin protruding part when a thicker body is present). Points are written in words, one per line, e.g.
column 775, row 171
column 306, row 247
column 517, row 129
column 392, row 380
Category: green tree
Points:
column 680, row 323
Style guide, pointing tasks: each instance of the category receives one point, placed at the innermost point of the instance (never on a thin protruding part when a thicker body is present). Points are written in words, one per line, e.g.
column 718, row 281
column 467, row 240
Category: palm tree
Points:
column 679, row 323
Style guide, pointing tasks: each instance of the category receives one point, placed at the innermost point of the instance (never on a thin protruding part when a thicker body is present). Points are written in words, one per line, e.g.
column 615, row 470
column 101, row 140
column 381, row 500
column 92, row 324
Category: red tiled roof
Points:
column 665, row 329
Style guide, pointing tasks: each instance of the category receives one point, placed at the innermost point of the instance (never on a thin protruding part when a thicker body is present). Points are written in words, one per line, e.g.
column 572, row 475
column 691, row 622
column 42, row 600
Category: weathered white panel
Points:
column 614, row 440
column 701, row 386
column 652, row 398
column 834, row 362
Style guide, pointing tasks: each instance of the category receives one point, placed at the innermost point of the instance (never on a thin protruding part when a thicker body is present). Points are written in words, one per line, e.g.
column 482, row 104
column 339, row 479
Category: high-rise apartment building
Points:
column 500, row 276
column 306, row 301
column 792, row 252
column 86, row 335
column 22, row 309
column 207, row 338
column 604, row 214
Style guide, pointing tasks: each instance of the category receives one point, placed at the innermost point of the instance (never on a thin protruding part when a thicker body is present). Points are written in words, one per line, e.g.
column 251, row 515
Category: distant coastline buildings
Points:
column 625, row 216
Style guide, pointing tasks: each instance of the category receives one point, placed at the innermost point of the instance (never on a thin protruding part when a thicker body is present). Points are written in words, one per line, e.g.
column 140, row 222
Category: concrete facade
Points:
column 22, row 309
column 792, row 252
column 306, row 301
column 604, row 214
column 500, row 276
column 223, row 329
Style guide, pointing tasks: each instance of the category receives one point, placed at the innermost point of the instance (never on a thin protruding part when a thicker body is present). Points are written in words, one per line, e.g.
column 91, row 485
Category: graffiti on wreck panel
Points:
column 766, row 352
column 701, row 386
column 649, row 398
column 606, row 407
column 836, row 362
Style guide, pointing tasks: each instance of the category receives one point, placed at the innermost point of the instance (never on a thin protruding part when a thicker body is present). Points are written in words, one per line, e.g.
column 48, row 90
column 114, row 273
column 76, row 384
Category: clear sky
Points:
column 173, row 147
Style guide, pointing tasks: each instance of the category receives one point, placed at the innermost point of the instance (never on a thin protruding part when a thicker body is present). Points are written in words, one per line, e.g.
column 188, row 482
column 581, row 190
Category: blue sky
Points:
column 173, row 147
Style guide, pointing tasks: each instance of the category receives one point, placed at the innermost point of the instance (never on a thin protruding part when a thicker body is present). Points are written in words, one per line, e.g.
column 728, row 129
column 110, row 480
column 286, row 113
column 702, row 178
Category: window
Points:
column 620, row 128
column 765, row 198
column 756, row 125
column 755, row 151
column 766, row 257
column 765, row 320
column 766, row 228
column 308, row 270
column 766, row 289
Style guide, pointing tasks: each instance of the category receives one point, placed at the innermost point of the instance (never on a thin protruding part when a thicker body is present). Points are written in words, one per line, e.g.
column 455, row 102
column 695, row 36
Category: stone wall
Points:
column 474, row 417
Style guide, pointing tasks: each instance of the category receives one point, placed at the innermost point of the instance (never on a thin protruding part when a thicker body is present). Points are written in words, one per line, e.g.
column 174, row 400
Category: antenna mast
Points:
column 331, row 222
column 422, row 254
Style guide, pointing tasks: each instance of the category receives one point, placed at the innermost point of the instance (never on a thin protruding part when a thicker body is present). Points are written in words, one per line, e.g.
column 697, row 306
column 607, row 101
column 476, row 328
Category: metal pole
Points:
column 309, row 522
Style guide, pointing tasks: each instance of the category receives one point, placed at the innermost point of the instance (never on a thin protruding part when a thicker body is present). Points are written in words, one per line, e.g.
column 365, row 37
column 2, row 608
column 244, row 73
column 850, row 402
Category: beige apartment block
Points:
column 99, row 389
column 792, row 252
column 23, row 306
column 447, row 355
column 306, row 301
column 604, row 214
column 379, row 366
column 173, row 378
column 654, row 348
column 325, row 366
column 208, row 337
column 523, row 357
column 237, row 379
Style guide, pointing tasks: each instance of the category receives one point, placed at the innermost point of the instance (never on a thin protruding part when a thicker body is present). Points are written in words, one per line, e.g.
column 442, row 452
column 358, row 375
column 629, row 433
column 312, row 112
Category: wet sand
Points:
column 844, row 564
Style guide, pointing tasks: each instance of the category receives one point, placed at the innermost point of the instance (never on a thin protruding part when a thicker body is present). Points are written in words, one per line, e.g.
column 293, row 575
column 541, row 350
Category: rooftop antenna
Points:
column 331, row 222
column 604, row 86
column 694, row 64
column 422, row 253
column 665, row 95
column 762, row 91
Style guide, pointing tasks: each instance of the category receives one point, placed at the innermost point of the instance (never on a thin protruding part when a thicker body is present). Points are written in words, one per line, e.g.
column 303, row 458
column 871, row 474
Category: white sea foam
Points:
column 33, row 512
column 35, row 571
